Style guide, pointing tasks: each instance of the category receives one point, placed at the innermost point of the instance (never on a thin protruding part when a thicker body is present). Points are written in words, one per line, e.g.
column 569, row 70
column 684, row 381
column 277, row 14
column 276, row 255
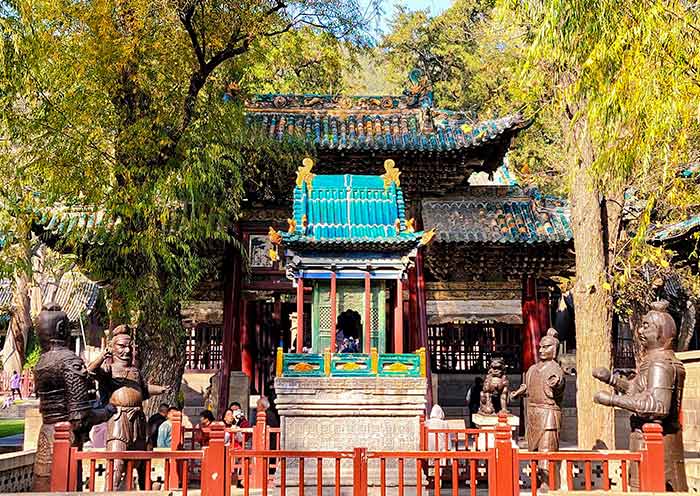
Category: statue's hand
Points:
column 602, row 374
column 603, row 398
column 517, row 393
column 552, row 381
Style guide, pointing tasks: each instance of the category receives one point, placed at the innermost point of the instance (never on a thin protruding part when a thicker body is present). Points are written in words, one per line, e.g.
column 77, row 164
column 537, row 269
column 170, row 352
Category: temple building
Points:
column 480, row 288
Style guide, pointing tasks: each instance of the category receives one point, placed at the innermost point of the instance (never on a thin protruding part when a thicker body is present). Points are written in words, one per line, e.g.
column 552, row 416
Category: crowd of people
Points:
column 160, row 424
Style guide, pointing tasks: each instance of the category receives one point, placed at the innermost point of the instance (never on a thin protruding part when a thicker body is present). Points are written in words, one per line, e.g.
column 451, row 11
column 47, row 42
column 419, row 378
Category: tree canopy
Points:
column 115, row 109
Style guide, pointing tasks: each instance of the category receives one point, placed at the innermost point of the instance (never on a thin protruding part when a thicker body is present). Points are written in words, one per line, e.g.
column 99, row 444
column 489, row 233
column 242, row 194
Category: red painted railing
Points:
column 496, row 466
column 66, row 461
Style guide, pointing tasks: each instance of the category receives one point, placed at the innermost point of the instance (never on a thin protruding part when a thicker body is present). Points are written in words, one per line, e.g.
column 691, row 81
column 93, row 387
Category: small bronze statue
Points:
column 123, row 383
column 494, row 392
column 65, row 389
column 654, row 395
column 544, row 389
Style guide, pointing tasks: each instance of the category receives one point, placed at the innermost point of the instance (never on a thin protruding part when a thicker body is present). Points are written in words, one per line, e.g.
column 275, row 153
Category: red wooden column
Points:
column 231, row 359
column 300, row 314
column 531, row 323
column 398, row 318
column 333, row 311
column 247, row 365
column 422, row 323
column 368, row 313
column 543, row 310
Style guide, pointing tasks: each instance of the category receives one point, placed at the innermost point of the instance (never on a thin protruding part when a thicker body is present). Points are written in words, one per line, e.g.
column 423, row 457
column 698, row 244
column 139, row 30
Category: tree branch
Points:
column 186, row 20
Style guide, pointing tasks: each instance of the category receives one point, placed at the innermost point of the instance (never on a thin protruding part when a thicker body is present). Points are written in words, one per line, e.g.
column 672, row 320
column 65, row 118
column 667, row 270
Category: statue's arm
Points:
column 619, row 384
column 96, row 366
column 80, row 397
column 155, row 390
column 654, row 402
column 521, row 391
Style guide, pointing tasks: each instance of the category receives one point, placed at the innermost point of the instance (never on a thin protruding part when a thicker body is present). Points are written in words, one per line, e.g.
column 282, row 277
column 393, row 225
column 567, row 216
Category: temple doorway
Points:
column 349, row 327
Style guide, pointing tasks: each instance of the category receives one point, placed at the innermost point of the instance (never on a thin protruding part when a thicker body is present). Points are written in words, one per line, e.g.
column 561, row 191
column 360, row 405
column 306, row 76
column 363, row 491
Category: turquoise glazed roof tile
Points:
column 374, row 123
column 350, row 212
column 674, row 231
column 500, row 215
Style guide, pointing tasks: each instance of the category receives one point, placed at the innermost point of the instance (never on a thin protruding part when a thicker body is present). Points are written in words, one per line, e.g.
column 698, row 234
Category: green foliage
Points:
column 116, row 109
column 299, row 61
column 33, row 352
column 11, row 427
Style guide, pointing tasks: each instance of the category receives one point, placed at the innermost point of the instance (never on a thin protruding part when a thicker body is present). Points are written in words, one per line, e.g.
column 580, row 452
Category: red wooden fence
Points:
column 496, row 467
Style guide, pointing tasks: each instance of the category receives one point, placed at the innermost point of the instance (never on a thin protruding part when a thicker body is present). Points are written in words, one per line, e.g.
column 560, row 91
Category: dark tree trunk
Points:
column 161, row 352
column 14, row 351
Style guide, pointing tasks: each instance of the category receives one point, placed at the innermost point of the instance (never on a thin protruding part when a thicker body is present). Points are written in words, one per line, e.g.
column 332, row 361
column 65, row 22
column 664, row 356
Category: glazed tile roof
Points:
column 499, row 215
column 91, row 225
column 76, row 295
column 671, row 232
column 374, row 123
column 349, row 212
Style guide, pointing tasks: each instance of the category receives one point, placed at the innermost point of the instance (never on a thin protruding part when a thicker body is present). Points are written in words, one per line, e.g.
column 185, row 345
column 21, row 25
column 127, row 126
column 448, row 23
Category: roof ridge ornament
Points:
column 411, row 225
column 427, row 237
column 304, row 174
column 392, row 174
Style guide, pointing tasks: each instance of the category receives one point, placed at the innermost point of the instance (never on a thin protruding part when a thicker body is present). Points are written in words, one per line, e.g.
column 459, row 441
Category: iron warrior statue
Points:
column 495, row 387
column 654, row 395
column 544, row 388
column 65, row 389
column 123, row 384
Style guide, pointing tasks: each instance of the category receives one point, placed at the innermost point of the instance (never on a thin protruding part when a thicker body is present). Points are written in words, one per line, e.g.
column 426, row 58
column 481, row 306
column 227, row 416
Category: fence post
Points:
column 503, row 475
column 214, row 464
column 60, row 466
column 652, row 476
column 423, row 434
column 359, row 471
column 259, row 444
column 176, row 437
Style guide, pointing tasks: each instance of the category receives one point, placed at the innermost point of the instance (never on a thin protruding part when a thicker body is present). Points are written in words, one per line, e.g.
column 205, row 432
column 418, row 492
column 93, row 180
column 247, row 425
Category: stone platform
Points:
column 343, row 413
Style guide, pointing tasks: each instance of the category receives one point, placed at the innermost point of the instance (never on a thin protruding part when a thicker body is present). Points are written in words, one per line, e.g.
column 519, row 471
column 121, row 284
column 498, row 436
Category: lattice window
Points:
column 374, row 318
column 324, row 318
column 204, row 348
column 468, row 348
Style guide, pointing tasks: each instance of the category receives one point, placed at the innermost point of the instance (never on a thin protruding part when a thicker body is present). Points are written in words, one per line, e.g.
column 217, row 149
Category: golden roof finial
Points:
column 274, row 236
column 427, row 237
column 411, row 225
column 392, row 174
column 272, row 253
column 304, row 174
column 292, row 225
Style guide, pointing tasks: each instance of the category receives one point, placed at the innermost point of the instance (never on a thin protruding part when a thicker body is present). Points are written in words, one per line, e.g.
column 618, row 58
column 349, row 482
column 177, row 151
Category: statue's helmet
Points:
column 551, row 338
column 666, row 331
column 52, row 326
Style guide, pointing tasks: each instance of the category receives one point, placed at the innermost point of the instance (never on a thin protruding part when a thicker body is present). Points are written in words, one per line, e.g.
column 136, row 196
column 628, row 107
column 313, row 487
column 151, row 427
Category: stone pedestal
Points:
column 343, row 413
column 489, row 422
column 32, row 426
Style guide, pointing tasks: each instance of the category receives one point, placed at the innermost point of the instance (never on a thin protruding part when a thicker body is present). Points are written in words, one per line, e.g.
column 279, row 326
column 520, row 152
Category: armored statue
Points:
column 544, row 389
column 65, row 389
column 123, row 384
column 654, row 395
column 494, row 393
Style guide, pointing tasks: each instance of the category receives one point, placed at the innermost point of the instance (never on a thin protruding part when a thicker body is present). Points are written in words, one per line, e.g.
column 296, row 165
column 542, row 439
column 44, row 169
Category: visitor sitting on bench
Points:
column 165, row 431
